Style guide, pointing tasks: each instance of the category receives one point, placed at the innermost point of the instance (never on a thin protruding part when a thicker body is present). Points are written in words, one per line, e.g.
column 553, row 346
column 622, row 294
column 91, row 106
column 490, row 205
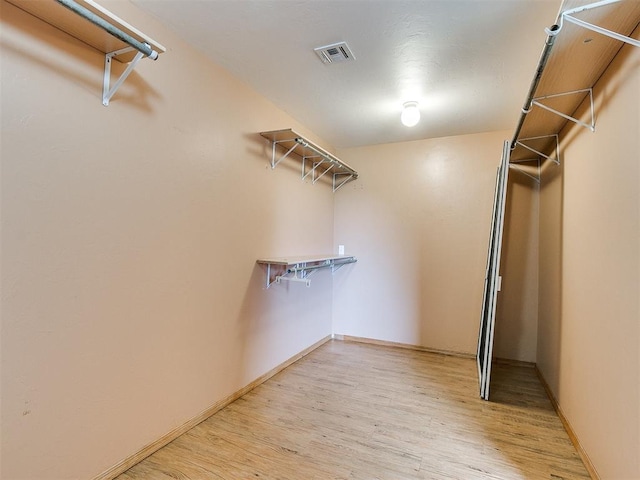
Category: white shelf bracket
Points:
column 318, row 177
column 591, row 126
column 300, row 271
column 337, row 184
column 314, row 166
column 273, row 155
column 107, row 90
column 268, row 284
column 522, row 171
column 337, row 266
column 315, row 161
column 568, row 15
column 555, row 159
column 128, row 38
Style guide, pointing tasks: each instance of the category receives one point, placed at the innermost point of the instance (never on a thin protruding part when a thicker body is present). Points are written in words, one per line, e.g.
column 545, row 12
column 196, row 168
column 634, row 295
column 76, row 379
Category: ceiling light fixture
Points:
column 410, row 114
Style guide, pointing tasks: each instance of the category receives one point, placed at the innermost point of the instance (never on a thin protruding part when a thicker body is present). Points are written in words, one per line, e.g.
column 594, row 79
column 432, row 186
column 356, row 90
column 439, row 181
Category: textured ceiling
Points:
column 468, row 63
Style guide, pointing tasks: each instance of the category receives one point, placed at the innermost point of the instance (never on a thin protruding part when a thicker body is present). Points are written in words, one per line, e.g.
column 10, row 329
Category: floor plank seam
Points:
column 358, row 411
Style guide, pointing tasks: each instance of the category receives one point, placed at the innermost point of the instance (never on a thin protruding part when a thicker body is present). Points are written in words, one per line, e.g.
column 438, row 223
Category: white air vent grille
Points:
column 334, row 53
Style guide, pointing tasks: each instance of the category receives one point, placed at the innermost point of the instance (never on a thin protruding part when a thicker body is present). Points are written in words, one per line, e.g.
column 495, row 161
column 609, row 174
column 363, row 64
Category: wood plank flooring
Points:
column 362, row 412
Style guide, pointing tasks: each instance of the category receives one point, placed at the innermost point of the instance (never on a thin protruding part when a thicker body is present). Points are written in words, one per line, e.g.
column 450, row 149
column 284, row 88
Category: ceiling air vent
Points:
column 334, row 53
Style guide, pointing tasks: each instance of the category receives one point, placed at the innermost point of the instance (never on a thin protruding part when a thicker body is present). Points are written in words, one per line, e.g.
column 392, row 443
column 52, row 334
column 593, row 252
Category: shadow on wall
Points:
column 290, row 217
column 253, row 321
column 516, row 314
column 550, row 273
column 552, row 203
column 260, row 147
column 549, row 356
column 275, row 324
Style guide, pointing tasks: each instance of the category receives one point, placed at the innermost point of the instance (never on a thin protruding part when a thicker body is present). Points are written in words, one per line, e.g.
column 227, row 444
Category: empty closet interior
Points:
column 172, row 237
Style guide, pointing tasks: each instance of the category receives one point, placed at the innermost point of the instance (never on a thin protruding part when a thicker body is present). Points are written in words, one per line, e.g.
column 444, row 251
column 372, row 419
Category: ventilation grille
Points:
column 335, row 53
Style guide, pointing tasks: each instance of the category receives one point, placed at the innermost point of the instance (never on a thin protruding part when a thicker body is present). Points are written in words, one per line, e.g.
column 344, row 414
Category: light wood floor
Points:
column 359, row 411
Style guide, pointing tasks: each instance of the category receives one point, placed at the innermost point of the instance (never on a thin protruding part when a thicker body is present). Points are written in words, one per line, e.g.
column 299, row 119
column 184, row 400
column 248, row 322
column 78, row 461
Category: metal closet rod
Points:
column 546, row 52
column 142, row 47
column 552, row 33
column 327, row 156
column 324, row 265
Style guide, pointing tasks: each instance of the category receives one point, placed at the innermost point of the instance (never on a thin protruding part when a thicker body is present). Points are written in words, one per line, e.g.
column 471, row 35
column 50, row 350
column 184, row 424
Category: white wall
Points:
column 131, row 300
column 517, row 309
column 418, row 219
column 589, row 327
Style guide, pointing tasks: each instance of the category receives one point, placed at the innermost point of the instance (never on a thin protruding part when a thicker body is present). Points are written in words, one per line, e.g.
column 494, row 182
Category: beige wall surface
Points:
column 517, row 309
column 418, row 219
column 589, row 326
column 131, row 300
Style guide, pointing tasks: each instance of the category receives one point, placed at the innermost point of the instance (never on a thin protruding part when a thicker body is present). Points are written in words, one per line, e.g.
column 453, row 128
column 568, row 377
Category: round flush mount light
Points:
column 410, row 114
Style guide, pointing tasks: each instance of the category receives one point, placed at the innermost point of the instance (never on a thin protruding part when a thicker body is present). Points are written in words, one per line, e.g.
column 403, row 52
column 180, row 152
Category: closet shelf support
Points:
column 347, row 177
column 542, row 63
column 107, row 22
column 316, row 162
column 568, row 15
column 300, row 269
column 275, row 162
column 98, row 21
column 325, row 171
column 314, row 167
column 554, row 136
column 591, row 126
column 107, row 90
column 522, row 171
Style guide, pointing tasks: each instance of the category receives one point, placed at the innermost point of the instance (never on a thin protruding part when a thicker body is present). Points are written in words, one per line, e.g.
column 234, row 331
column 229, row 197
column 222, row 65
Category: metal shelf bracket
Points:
column 299, row 270
column 316, row 162
column 591, row 126
column 625, row 14
column 569, row 16
column 517, row 168
column 99, row 28
column 144, row 49
column 346, row 177
column 107, row 90
column 275, row 162
column 555, row 159
column 309, row 160
column 314, row 170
